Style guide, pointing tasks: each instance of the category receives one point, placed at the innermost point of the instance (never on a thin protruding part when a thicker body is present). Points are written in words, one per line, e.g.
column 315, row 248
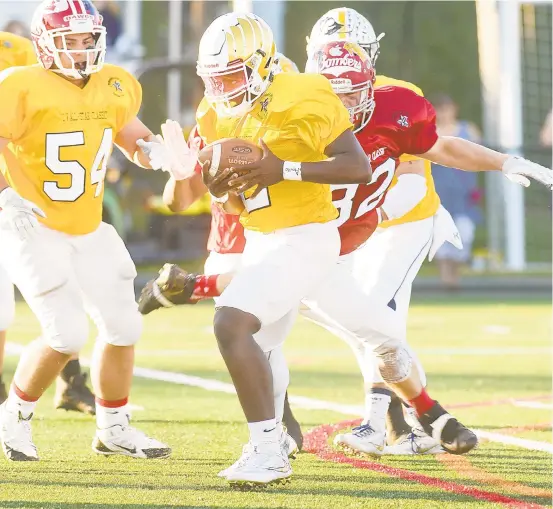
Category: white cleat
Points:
column 128, row 441
column 288, row 446
column 260, row 465
column 16, row 436
column 363, row 439
column 416, row 442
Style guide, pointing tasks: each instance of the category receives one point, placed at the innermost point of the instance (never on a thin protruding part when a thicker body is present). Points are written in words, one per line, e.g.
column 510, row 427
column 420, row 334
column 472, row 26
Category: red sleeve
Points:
column 422, row 135
column 195, row 133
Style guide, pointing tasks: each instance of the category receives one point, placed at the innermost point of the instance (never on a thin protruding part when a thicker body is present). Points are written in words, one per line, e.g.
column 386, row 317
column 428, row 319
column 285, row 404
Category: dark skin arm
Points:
column 346, row 164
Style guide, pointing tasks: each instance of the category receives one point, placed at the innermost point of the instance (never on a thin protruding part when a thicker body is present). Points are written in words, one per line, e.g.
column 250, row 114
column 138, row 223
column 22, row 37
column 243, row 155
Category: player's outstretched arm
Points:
column 346, row 163
column 468, row 156
column 129, row 138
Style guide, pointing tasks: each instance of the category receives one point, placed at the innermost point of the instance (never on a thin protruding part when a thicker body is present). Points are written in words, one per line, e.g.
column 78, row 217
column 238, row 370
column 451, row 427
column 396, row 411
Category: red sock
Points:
column 20, row 394
column 206, row 287
column 111, row 404
column 422, row 403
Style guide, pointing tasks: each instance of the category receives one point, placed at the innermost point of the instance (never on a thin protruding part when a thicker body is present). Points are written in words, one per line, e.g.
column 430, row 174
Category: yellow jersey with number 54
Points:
column 298, row 117
column 15, row 51
column 61, row 137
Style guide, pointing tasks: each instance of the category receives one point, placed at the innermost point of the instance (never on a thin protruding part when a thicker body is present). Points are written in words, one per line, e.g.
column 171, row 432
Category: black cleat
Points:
column 74, row 395
column 174, row 286
column 454, row 437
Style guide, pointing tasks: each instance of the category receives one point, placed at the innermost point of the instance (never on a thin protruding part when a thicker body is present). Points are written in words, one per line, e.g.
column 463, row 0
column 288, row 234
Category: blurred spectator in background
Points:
column 458, row 191
column 18, row 28
column 111, row 12
column 546, row 134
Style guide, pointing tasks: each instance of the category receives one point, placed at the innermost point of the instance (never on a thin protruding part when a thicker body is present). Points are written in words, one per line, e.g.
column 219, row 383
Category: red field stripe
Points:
column 463, row 466
column 316, row 442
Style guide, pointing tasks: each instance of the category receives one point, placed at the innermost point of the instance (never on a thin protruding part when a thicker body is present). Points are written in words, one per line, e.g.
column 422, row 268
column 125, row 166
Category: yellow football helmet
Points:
column 284, row 64
column 236, row 62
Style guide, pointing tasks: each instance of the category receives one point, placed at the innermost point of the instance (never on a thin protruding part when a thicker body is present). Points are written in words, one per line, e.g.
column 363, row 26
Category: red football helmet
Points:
column 53, row 21
column 352, row 76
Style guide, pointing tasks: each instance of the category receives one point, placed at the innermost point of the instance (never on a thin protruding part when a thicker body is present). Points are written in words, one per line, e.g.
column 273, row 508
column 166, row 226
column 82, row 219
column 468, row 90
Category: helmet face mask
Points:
column 236, row 62
column 344, row 24
column 69, row 38
column 351, row 75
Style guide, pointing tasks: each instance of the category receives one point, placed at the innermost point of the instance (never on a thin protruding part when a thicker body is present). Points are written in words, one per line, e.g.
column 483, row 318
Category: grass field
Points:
column 484, row 359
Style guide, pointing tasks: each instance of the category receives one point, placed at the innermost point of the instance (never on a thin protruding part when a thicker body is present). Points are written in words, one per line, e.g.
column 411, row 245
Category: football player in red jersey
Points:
column 403, row 122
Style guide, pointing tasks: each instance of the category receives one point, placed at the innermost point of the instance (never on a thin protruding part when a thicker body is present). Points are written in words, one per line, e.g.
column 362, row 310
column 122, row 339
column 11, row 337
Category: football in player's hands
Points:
column 223, row 159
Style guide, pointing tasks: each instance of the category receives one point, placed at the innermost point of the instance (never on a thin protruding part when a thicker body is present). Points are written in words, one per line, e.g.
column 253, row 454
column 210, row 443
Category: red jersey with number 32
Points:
column 402, row 123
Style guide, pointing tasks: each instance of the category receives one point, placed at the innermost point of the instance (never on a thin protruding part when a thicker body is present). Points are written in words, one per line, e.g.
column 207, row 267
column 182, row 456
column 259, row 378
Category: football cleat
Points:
column 74, row 395
column 16, row 436
column 454, row 437
column 259, row 465
column 174, row 286
column 288, row 447
column 363, row 439
column 416, row 442
column 128, row 441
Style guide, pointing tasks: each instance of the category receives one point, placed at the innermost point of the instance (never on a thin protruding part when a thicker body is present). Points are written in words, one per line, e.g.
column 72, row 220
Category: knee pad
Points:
column 67, row 333
column 123, row 329
column 394, row 362
column 7, row 305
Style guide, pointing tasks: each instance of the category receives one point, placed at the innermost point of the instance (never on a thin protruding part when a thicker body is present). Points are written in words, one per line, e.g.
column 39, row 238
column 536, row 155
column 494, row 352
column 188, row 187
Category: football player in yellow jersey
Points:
column 72, row 392
column 292, row 241
column 58, row 122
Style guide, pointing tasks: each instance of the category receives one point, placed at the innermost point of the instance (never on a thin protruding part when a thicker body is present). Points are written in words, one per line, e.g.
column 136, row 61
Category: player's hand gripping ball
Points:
column 226, row 159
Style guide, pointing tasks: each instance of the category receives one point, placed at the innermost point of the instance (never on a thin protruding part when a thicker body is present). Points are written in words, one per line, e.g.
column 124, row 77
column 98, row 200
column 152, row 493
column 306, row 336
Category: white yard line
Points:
column 533, row 404
column 297, row 401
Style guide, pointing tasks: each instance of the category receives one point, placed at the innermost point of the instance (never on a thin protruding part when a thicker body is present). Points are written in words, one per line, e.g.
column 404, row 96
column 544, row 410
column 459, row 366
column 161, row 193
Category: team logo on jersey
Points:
column 117, row 87
column 264, row 105
column 7, row 44
column 403, row 121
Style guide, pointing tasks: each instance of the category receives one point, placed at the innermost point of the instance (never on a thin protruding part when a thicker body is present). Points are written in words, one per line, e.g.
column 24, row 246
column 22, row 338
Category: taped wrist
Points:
column 405, row 195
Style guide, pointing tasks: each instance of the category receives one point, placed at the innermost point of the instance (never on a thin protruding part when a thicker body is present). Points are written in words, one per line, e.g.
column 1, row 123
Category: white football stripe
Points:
column 215, row 160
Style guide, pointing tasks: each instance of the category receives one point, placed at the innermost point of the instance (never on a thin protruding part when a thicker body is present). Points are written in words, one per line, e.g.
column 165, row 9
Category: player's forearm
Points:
column 177, row 195
column 339, row 169
column 465, row 155
column 139, row 157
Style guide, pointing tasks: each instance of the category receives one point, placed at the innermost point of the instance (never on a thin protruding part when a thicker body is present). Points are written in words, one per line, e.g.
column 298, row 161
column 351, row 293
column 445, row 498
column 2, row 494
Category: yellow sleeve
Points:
column 134, row 101
column 12, row 104
column 319, row 119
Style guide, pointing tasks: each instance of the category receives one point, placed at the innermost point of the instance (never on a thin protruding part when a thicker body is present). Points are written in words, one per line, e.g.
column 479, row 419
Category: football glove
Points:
column 518, row 169
column 18, row 214
column 183, row 158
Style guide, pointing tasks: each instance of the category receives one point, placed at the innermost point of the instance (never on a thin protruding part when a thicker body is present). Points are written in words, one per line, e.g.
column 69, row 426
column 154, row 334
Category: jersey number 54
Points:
column 54, row 142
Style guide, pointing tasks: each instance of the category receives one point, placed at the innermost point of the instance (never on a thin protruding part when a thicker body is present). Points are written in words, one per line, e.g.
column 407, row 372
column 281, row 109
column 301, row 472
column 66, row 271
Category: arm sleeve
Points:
column 134, row 90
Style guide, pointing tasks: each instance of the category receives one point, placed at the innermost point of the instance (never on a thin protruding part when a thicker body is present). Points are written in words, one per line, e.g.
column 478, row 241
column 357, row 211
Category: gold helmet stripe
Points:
column 342, row 21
